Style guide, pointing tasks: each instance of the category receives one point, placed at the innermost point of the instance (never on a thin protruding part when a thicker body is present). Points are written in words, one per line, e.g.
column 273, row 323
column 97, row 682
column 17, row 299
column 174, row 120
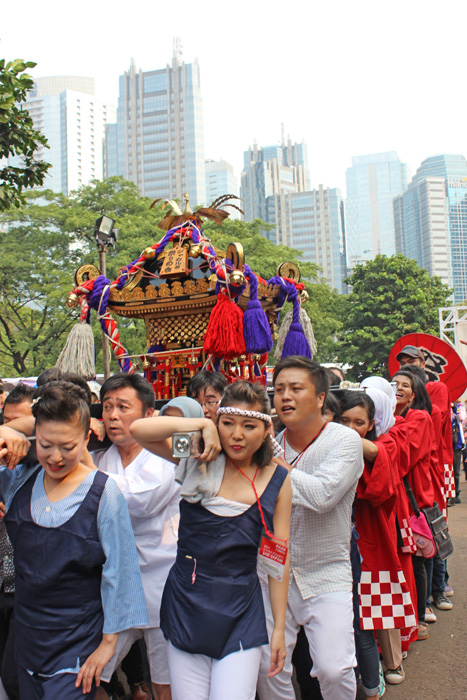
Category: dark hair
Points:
column 205, row 379
column 252, row 395
column 48, row 375
column 21, row 393
column 421, row 401
column 418, row 371
column 316, row 372
column 62, row 402
column 352, row 399
column 120, row 380
column 79, row 381
column 333, row 405
column 332, row 376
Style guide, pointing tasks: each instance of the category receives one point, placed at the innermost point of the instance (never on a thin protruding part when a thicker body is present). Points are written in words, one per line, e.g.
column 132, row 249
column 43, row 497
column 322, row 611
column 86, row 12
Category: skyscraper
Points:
column 220, row 179
column 158, row 140
column 448, row 211
column 372, row 183
column 276, row 189
column 272, row 170
column 66, row 111
column 312, row 222
column 421, row 224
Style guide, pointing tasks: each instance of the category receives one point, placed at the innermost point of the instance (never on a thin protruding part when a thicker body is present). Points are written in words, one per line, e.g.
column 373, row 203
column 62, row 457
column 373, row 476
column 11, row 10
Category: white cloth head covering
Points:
column 384, row 414
column 189, row 407
column 382, row 385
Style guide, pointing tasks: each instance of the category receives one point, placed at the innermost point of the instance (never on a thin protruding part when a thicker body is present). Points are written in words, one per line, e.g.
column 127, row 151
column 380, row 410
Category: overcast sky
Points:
column 348, row 77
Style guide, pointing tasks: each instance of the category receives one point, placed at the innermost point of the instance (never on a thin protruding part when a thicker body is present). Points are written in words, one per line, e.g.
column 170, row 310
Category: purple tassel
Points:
column 295, row 342
column 256, row 328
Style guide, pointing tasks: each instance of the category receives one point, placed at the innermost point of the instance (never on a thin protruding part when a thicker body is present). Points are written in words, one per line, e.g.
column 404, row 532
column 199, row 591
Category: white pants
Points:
column 328, row 623
column 199, row 677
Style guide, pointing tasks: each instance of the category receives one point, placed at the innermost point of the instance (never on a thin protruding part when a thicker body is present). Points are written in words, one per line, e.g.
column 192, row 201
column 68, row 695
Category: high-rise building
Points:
column 272, row 170
column 448, row 212
column 220, row 180
column 276, row 189
column 158, row 140
column 372, row 183
column 421, row 225
column 66, row 111
column 312, row 222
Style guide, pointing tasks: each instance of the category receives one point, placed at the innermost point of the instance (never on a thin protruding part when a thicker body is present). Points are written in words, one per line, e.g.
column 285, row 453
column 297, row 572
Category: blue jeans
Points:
column 435, row 575
column 368, row 662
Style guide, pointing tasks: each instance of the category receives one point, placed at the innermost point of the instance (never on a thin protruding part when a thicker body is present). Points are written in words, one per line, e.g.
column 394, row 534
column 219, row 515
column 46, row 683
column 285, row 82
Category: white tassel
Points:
column 284, row 329
column 78, row 353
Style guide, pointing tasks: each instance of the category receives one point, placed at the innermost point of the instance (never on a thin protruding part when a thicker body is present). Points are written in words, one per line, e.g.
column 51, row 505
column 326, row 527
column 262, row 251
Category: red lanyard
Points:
column 300, row 455
column 252, row 482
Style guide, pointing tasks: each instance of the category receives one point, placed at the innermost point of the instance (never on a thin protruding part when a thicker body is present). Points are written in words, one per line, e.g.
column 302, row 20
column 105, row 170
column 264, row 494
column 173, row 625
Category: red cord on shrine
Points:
column 252, row 482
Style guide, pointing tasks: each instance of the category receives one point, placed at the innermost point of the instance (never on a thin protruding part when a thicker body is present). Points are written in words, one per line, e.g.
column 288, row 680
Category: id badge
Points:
column 272, row 557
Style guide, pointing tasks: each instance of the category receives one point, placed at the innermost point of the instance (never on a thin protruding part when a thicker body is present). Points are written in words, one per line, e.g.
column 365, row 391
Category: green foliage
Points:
column 325, row 308
column 17, row 135
column 34, row 271
column 391, row 296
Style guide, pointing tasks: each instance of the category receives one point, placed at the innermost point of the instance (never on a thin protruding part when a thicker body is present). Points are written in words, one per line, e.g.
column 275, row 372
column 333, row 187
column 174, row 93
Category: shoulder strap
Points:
column 410, row 494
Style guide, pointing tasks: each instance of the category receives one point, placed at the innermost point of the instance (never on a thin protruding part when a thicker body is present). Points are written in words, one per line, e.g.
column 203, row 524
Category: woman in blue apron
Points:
column 77, row 574
column 233, row 503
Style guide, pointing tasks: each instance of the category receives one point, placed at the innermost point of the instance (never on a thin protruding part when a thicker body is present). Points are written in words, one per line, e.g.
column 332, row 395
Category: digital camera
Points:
column 189, row 444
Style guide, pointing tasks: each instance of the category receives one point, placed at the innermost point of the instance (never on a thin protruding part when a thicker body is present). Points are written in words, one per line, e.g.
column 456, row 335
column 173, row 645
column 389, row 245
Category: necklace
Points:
column 296, row 459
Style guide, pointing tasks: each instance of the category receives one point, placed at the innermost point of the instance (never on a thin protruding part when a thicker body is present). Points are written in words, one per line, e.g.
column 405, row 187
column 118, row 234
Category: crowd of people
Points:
column 282, row 539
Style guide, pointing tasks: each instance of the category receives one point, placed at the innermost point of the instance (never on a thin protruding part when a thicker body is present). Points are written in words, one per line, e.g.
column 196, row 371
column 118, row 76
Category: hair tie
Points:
column 35, row 401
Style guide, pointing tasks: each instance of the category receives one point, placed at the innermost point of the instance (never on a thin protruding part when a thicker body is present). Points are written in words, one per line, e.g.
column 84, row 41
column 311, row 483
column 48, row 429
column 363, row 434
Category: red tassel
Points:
column 224, row 334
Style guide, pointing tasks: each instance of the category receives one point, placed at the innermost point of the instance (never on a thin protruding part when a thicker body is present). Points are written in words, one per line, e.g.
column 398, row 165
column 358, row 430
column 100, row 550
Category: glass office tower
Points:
column 312, row 222
column 272, row 170
column 372, row 183
column 66, row 111
column 158, row 141
column 448, row 209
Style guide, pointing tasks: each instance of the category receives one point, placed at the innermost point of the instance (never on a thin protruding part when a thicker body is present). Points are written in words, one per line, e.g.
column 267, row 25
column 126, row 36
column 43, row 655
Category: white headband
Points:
column 233, row 411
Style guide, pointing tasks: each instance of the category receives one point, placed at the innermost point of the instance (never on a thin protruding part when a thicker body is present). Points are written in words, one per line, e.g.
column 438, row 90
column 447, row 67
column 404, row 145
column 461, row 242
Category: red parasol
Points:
column 442, row 361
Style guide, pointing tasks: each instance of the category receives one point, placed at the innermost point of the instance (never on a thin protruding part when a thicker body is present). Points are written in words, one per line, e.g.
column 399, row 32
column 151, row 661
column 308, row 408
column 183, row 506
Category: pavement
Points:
column 436, row 668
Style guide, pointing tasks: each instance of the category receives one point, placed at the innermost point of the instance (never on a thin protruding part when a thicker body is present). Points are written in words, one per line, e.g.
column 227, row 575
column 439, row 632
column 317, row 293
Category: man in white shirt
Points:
column 326, row 462
column 152, row 495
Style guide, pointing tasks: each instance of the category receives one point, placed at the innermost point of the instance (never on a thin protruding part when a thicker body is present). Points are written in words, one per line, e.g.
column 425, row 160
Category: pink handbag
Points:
column 423, row 537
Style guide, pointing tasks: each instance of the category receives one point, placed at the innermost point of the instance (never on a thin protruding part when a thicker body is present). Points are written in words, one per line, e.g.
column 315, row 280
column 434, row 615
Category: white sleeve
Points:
column 149, row 491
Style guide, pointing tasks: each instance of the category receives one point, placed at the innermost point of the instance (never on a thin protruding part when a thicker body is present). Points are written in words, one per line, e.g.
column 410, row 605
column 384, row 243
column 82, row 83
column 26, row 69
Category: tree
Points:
column 42, row 244
column 18, row 136
column 325, row 308
column 390, row 297
column 35, row 267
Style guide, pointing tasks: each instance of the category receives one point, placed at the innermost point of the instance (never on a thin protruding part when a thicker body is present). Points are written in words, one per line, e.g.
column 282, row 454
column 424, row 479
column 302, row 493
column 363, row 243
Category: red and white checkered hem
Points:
column 449, row 483
column 408, row 542
column 385, row 603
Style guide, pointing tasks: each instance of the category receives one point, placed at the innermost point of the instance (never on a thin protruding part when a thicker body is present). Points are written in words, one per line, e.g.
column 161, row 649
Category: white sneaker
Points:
column 429, row 615
column 394, row 676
